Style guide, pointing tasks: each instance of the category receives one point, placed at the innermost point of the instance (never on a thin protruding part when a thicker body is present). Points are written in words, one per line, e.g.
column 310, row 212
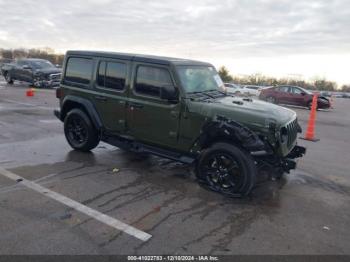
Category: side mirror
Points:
column 26, row 67
column 303, row 93
column 169, row 93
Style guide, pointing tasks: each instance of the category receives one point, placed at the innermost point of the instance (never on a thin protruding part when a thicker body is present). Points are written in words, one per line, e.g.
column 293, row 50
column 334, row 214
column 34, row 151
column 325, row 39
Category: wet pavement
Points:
column 307, row 212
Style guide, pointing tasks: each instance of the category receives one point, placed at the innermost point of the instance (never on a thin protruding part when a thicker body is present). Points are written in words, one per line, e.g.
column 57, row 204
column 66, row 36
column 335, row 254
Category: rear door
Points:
column 283, row 94
column 110, row 100
column 151, row 119
column 27, row 73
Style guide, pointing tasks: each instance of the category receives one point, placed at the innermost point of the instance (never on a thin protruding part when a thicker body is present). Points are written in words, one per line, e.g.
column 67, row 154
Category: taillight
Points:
column 59, row 93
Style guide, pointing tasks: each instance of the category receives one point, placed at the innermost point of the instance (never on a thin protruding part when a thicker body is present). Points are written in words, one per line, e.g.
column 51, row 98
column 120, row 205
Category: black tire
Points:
column 79, row 131
column 227, row 169
column 309, row 105
column 271, row 99
column 8, row 78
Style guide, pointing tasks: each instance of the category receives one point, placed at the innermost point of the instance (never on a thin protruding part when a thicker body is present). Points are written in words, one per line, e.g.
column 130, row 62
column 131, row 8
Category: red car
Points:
column 292, row 95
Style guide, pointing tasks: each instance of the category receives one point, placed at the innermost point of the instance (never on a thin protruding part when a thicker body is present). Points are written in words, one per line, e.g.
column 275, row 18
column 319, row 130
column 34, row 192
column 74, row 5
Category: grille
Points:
column 292, row 130
column 55, row 77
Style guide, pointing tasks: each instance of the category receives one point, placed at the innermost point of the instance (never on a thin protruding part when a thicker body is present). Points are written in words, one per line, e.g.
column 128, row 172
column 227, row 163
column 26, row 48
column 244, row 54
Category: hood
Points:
column 47, row 71
column 255, row 114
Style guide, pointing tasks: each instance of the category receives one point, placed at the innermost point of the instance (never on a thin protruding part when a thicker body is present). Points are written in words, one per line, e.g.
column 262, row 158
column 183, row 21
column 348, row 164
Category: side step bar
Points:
column 142, row 148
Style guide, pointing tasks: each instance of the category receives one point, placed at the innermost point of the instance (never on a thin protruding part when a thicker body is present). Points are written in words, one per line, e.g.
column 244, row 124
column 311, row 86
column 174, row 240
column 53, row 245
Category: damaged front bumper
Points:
column 46, row 83
column 280, row 164
column 288, row 163
column 298, row 151
column 51, row 80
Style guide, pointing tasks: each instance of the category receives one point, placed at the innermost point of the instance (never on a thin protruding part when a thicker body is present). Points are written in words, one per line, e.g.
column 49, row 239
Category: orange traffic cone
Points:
column 310, row 132
column 30, row 92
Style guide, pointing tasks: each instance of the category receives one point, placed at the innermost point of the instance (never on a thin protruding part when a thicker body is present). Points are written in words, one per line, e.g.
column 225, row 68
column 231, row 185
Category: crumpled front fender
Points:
column 224, row 129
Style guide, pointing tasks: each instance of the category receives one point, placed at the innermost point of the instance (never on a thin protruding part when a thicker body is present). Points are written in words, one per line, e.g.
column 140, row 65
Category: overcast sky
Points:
column 274, row 37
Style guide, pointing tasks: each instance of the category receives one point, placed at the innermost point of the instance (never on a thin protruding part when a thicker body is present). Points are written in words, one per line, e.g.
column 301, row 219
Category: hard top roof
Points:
column 138, row 57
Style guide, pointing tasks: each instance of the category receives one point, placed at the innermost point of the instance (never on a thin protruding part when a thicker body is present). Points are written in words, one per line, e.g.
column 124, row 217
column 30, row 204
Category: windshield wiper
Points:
column 201, row 93
column 216, row 91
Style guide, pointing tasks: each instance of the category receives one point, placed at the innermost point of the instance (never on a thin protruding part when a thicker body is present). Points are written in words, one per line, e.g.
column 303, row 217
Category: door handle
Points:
column 101, row 98
column 135, row 105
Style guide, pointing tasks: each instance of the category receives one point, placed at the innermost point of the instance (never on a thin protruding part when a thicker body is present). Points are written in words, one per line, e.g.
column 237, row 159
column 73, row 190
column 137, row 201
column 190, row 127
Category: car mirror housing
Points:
column 169, row 93
column 303, row 93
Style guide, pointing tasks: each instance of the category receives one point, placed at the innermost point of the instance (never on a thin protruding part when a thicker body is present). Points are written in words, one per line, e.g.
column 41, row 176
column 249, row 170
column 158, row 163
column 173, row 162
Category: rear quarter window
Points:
column 79, row 70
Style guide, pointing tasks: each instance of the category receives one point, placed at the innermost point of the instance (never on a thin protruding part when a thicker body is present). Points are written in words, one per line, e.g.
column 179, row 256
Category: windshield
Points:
column 41, row 64
column 196, row 79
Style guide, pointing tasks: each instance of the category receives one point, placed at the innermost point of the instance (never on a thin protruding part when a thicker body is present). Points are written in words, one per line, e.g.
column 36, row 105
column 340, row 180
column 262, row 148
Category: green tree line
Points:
column 43, row 53
column 254, row 79
column 258, row 79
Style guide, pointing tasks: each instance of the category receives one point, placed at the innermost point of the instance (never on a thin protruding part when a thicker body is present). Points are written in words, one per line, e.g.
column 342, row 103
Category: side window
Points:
column 111, row 75
column 297, row 91
column 78, row 70
column 283, row 89
column 149, row 80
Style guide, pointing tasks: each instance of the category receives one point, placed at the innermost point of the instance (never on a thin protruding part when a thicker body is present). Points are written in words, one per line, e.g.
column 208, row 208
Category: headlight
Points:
column 284, row 134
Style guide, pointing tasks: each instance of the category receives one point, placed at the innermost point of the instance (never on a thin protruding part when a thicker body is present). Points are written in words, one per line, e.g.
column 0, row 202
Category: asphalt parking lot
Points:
column 307, row 212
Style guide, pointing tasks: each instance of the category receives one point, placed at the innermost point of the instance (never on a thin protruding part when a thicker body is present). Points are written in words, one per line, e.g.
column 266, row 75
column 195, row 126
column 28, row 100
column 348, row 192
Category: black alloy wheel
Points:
column 227, row 169
column 79, row 131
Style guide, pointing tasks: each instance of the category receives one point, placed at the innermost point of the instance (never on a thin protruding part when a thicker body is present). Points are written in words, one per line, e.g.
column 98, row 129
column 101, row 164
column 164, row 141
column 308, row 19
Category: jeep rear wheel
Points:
column 79, row 131
column 227, row 169
column 8, row 78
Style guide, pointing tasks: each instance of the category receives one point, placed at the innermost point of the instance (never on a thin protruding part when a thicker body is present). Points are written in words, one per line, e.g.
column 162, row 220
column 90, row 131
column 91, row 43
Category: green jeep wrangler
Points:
column 175, row 108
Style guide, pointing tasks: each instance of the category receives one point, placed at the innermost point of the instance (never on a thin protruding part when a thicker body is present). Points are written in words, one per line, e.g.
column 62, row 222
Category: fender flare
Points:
column 222, row 128
column 86, row 104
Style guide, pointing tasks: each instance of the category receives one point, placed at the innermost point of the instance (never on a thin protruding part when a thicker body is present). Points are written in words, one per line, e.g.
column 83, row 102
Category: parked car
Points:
column 231, row 88
column 292, row 95
column 251, row 90
column 37, row 72
column 338, row 95
column 326, row 94
column 175, row 108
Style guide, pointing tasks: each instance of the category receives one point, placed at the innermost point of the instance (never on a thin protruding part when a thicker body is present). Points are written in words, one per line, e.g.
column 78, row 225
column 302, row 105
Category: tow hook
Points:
column 288, row 164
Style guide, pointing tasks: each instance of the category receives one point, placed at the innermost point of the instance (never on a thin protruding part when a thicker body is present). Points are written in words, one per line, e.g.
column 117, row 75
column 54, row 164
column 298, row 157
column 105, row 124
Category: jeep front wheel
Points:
column 79, row 131
column 227, row 169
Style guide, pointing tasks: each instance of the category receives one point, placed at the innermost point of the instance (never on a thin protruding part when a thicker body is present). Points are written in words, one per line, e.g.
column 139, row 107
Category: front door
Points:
column 298, row 96
column 150, row 118
column 26, row 72
column 111, row 94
